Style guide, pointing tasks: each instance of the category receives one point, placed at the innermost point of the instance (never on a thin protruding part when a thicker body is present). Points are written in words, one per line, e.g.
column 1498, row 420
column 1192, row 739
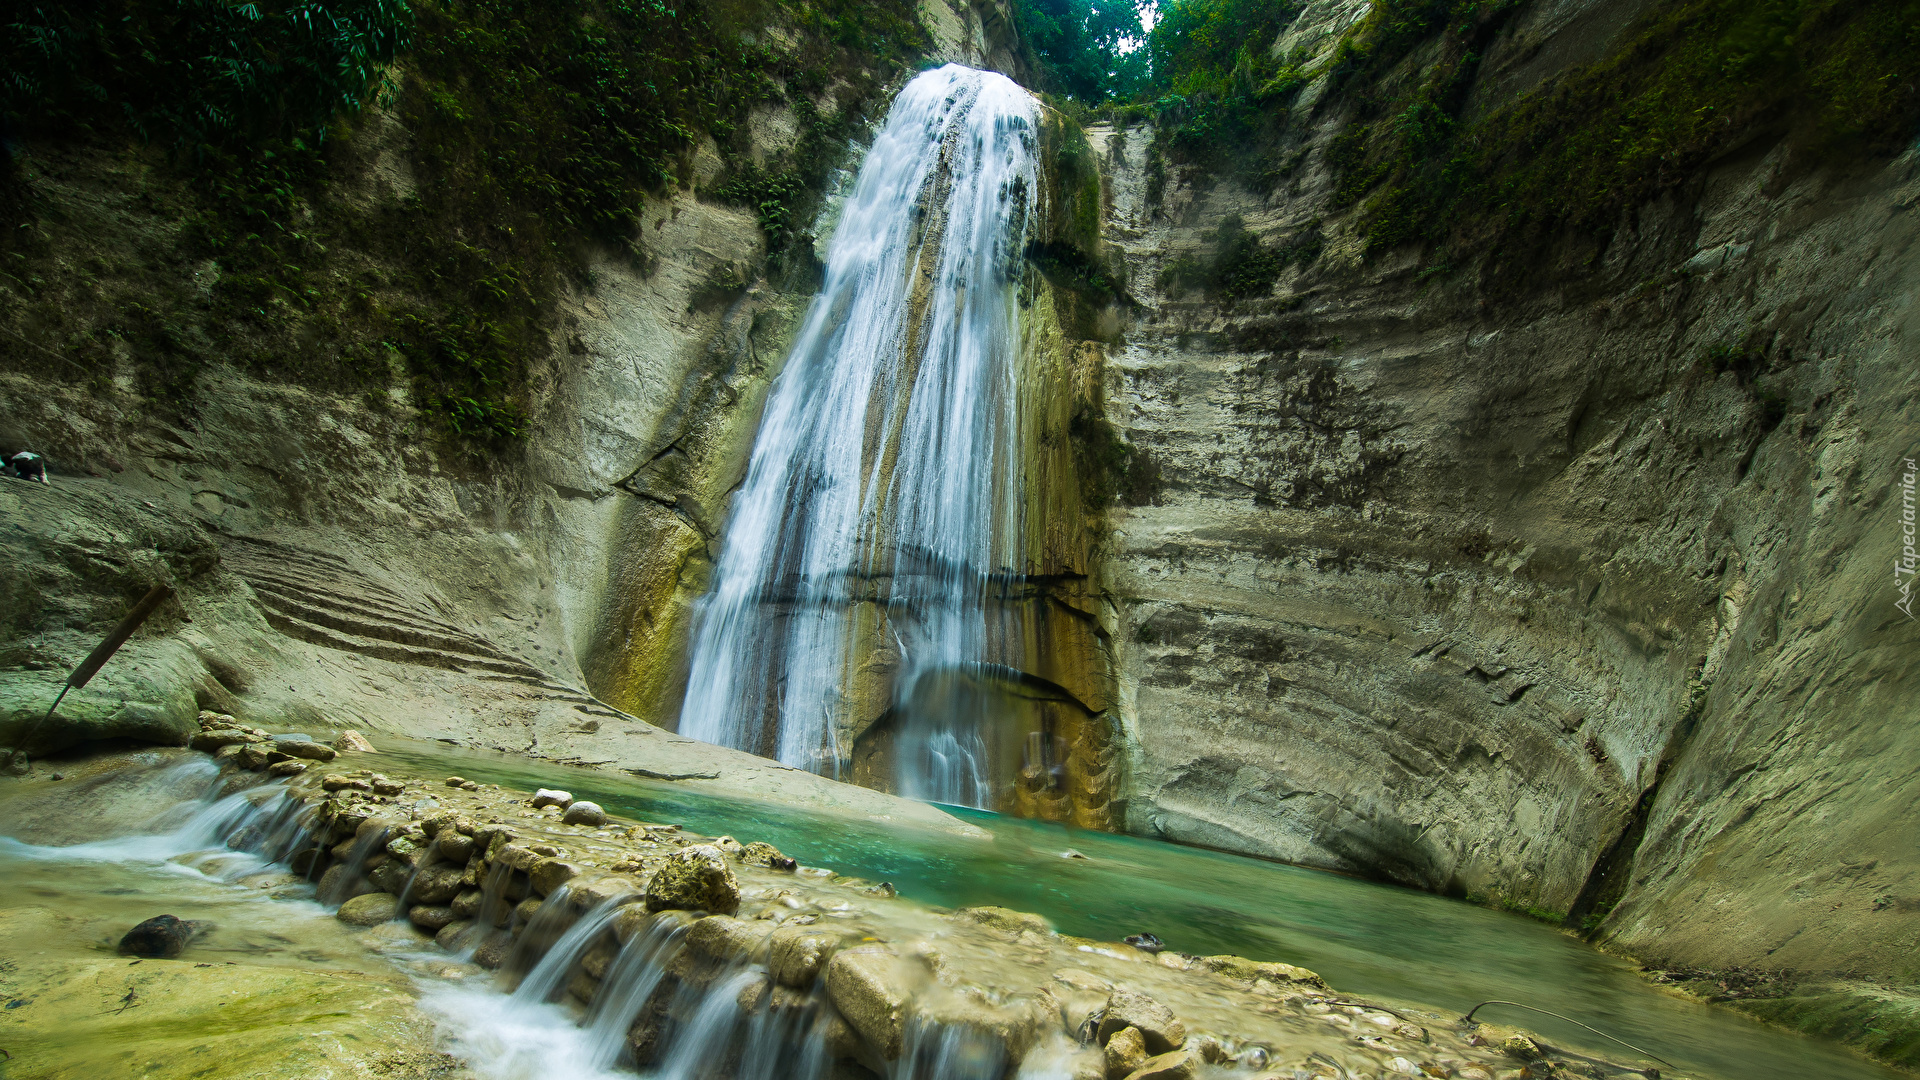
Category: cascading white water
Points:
column 547, row 981
column 886, row 467
column 224, row 838
column 631, row 981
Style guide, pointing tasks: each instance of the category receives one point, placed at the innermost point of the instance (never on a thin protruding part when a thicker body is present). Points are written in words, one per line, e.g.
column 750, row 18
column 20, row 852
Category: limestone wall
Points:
column 1459, row 589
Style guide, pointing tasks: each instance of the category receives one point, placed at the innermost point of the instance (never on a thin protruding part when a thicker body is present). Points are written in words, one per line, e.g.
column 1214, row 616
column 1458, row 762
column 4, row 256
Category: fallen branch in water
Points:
column 1377, row 1008
column 1468, row 1019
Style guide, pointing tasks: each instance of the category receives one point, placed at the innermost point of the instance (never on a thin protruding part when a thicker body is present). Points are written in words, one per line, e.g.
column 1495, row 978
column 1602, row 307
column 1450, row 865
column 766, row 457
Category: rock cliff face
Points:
column 1534, row 596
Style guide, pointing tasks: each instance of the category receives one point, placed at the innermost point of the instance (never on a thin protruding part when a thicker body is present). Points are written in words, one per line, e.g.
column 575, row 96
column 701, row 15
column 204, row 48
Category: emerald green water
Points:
column 1366, row 938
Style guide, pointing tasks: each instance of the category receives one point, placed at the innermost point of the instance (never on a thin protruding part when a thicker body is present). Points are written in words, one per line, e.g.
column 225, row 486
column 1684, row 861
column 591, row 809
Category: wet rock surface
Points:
column 1126, row 1050
column 1156, row 1025
column 1178, row 1065
column 797, row 954
column 868, row 988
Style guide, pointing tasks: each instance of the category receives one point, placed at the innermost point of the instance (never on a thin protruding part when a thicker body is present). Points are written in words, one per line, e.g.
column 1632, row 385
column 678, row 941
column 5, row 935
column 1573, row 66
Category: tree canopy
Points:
column 1089, row 50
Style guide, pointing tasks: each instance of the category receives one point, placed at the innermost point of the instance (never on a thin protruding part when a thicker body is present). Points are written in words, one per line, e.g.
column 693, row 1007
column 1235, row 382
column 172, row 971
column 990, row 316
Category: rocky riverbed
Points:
column 521, row 891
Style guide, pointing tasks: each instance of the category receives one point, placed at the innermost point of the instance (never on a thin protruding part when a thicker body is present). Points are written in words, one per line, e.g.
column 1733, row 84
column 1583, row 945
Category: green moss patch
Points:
column 1241, row 265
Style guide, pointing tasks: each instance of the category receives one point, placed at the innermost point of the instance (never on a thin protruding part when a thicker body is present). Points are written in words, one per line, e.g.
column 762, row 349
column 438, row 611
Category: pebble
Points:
column 584, row 813
column 546, row 797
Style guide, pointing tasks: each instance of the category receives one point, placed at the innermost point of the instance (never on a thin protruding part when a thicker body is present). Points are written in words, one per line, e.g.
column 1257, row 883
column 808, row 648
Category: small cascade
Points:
column 935, row 1051
column 541, row 933
column 787, row 1043
column 629, row 985
column 715, row 1016
column 423, row 860
column 734, row 1025
column 688, row 1021
column 882, row 512
column 496, row 908
column 337, row 885
column 548, row 978
column 274, row 828
column 225, row 838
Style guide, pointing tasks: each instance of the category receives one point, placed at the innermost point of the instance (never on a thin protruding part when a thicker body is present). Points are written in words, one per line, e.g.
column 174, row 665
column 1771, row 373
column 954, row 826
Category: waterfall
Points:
column 886, row 468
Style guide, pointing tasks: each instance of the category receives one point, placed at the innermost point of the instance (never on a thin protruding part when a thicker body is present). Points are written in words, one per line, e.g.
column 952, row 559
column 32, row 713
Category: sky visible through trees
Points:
column 1101, row 51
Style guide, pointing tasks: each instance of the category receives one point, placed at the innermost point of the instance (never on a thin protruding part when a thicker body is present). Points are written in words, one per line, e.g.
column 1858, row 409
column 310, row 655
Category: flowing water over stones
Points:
column 598, row 975
column 882, row 508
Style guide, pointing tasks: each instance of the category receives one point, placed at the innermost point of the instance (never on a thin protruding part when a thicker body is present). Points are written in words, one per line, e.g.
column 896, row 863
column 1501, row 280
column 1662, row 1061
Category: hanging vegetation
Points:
column 532, row 133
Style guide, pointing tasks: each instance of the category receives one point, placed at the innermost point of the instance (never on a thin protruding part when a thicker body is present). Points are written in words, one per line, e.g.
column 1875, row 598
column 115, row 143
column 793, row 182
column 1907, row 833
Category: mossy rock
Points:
column 142, row 706
column 369, row 910
column 695, row 879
